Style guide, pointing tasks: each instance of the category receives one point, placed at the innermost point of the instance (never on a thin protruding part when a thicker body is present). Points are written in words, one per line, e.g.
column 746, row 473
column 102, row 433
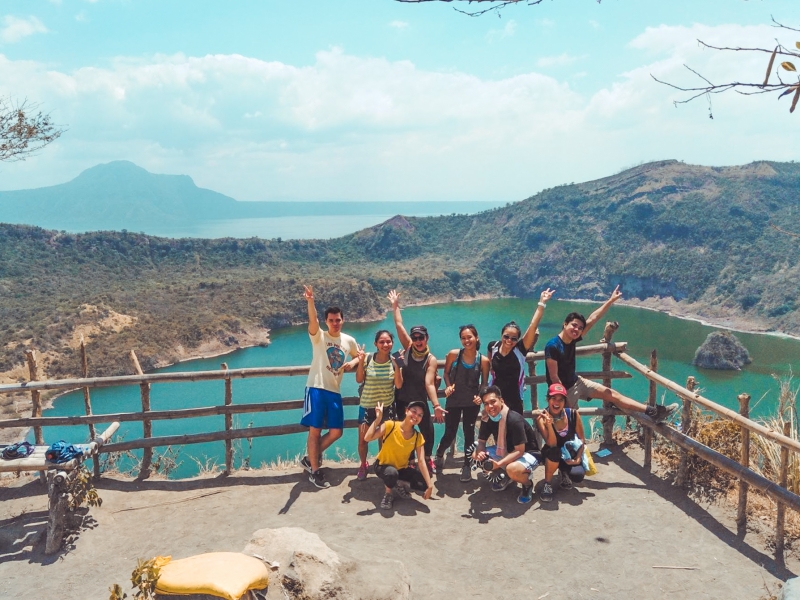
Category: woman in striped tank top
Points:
column 379, row 375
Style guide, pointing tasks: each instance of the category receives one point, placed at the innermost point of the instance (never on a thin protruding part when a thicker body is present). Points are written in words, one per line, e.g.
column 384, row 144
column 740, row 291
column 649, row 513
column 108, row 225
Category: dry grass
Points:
column 707, row 482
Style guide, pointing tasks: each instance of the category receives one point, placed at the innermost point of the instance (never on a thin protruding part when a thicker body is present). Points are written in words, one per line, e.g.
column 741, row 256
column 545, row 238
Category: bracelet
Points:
column 542, row 304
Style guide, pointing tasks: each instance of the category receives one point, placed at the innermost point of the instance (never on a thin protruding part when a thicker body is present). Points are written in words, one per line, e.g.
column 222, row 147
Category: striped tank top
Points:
column 378, row 384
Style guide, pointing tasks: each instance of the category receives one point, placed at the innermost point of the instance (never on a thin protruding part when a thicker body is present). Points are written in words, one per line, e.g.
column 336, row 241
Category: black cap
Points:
column 419, row 329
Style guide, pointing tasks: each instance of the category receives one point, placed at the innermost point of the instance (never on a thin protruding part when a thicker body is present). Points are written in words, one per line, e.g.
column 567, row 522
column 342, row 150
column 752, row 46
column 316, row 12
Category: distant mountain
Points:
column 121, row 195
column 720, row 242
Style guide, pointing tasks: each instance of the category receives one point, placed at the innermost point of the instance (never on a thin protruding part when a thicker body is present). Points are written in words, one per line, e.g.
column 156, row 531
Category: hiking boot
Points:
column 306, row 464
column 403, row 490
column 566, row 482
column 466, row 473
column 547, row 492
column 362, row 472
column 439, row 463
column 318, row 480
column 387, row 502
column 502, row 483
column 526, row 495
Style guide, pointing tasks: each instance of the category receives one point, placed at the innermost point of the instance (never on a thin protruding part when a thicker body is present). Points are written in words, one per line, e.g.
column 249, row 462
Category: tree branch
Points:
column 496, row 5
column 23, row 131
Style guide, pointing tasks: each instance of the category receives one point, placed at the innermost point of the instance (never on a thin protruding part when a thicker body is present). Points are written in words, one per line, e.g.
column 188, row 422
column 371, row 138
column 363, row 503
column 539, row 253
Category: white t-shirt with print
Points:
column 329, row 355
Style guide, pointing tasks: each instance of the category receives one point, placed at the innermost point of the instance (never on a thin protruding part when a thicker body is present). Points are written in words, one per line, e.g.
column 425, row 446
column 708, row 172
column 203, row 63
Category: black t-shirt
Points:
column 518, row 431
column 508, row 372
column 564, row 355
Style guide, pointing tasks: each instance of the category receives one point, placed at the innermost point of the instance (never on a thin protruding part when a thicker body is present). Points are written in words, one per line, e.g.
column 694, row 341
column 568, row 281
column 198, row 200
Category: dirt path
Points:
column 599, row 540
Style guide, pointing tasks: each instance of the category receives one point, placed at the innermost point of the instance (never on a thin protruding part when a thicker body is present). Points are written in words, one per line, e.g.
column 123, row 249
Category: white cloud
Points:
column 362, row 128
column 561, row 60
column 508, row 31
column 15, row 29
column 399, row 25
column 81, row 17
column 546, row 23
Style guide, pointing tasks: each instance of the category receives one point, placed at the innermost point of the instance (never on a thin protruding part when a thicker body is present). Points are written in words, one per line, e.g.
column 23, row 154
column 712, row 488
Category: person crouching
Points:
column 516, row 451
column 400, row 440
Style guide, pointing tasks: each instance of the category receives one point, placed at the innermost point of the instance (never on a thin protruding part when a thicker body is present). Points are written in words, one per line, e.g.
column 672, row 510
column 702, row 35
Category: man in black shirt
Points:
column 516, row 451
column 559, row 354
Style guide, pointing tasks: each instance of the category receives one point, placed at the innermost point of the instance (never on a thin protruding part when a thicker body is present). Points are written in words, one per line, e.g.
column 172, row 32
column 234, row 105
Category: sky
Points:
column 384, row 101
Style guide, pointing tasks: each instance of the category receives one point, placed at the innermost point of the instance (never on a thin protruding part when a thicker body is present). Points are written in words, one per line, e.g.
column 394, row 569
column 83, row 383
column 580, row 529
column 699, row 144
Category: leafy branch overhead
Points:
column 24, row 130
column 782, row 79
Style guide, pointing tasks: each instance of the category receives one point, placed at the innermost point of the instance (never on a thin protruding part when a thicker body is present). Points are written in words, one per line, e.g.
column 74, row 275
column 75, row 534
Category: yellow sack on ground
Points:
column 224, row 574
column 592, row 470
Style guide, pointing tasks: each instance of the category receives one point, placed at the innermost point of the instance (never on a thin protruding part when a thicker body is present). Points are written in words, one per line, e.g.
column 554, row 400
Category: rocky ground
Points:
column 621, row 534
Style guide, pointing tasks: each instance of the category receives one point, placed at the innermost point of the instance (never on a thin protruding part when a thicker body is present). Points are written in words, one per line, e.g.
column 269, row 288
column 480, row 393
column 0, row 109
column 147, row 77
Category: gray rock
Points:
column 790, row 590
column 306, row 568
column 722, row 350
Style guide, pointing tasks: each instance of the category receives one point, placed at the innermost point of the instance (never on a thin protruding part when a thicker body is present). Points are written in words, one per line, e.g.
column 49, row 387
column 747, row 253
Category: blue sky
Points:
column 376, row 100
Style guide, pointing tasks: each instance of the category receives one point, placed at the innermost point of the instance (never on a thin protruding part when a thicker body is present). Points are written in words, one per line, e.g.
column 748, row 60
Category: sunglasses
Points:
column 417, row 338
column 510, row 337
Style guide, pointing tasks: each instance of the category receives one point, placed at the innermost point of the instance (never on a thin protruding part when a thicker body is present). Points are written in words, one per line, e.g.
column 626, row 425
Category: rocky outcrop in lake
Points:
column 722, row 350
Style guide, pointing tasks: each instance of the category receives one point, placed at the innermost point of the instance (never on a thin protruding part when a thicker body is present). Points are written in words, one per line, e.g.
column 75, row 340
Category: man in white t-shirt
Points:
column 323, row 401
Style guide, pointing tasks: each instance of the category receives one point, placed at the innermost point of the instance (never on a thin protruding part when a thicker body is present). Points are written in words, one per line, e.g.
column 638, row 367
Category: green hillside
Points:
column 663, row 229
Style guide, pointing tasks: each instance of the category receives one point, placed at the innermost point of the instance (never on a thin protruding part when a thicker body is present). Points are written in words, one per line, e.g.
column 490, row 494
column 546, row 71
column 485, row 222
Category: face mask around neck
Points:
column 497, row 418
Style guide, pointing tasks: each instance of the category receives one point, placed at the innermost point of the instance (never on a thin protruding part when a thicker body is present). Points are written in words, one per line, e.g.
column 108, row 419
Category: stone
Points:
column 722, row 350
column 307, row 569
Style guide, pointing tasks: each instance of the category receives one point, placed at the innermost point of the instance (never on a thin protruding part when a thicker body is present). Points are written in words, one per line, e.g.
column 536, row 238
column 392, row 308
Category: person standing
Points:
column 419, row 377
column 508, row 356
column 322, row 407
column 465, row 370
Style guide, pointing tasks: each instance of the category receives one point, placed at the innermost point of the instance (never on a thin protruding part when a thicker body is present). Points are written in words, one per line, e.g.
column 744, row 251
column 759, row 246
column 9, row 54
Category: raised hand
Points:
column 546, row 417
column 394, row 298
column 379, row 412
column 362, row 355
column 615, row 295
column 546, row 295
column 308, row 293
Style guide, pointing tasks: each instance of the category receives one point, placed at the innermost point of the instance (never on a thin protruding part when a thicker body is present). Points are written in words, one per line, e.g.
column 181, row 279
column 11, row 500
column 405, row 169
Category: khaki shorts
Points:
column 582, row 389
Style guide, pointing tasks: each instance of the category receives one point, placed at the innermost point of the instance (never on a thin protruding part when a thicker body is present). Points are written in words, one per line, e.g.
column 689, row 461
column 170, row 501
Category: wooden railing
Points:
column 741, row 470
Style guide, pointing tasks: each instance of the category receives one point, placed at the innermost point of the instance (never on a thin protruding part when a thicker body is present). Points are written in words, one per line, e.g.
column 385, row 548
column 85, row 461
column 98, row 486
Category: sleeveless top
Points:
column 467, row 379
column 414, row 379
column 563, row 437
column 378, row 383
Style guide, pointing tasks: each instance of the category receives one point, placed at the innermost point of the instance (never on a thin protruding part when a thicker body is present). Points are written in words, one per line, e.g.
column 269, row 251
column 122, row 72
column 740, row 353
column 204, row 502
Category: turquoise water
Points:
column 675, row 339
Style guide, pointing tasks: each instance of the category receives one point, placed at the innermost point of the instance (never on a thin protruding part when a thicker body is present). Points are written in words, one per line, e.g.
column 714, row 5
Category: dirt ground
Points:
column 602, row 539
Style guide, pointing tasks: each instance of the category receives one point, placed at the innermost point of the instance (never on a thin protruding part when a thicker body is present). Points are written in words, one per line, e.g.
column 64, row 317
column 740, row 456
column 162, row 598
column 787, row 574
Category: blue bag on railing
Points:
column 61, row 451
column 18, row 450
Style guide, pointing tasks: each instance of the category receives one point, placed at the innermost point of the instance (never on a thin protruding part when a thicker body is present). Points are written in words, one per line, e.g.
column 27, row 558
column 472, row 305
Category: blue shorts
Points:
column 322, row 409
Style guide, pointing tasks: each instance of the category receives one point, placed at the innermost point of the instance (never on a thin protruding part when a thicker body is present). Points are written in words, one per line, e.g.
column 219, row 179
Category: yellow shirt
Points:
column 396, row 449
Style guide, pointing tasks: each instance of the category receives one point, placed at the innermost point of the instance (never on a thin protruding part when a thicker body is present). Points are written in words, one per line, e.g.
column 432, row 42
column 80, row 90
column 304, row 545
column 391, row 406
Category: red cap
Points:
column 556, row 389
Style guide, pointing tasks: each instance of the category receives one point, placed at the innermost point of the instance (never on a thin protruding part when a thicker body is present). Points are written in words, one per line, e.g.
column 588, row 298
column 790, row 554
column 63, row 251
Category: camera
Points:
column 488, row 465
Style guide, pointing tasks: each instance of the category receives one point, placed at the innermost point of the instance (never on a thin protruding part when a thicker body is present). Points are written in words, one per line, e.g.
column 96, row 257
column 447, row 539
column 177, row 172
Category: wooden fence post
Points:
column 87, row 404
column 228, row 422
column 744, row 460
column 147, row 424
column 608, row 420
column 36, row 400
column 784, row 479
column 534, row 387
column 36, row 396
column 686, row 423
column 651, row 401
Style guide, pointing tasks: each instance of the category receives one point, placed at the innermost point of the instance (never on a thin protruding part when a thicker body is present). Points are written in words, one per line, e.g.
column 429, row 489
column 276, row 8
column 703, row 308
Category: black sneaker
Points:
column 547, row 492
column 526, row 495
column 387, row 502
column 318, row 480
column 306, row 464
column 566, row 482
column 466, row 473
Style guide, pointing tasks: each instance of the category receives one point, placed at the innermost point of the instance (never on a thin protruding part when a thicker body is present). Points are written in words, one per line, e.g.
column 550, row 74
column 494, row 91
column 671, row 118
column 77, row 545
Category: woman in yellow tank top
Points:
column 400, row 439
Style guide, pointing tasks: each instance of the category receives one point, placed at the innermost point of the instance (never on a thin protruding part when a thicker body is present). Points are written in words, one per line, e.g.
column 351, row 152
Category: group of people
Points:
column 399, row 402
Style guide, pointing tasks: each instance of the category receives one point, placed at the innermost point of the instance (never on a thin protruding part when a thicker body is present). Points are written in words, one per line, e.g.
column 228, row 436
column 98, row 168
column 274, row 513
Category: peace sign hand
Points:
column 379, row 412
column 362, row 355
column 308, row 293
column 546, row 295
